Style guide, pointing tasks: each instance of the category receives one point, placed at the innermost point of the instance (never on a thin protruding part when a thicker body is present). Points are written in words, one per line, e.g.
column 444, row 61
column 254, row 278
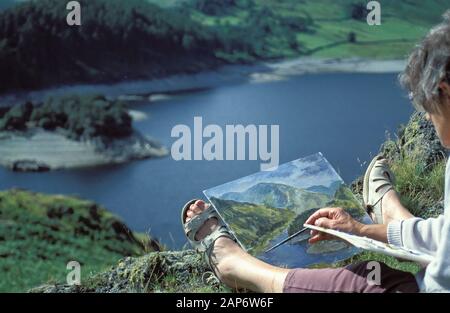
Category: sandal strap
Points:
column 208, row 242
column 192, row 226
column 380, row 182
column 220, row 231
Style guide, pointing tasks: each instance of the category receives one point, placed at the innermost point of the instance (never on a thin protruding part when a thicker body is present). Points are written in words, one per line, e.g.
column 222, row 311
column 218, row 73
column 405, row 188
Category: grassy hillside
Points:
column 40, row 234
column 403, row 23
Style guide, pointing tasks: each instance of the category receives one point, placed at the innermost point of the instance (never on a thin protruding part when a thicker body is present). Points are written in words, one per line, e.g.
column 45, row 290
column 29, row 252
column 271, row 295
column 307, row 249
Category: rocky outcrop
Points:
column 417, row 139
column 29, row 166
column 176, row 271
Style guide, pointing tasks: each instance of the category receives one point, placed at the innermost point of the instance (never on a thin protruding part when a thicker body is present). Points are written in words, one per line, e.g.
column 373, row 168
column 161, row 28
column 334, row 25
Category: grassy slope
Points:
column 39, row 234
column 403, row 23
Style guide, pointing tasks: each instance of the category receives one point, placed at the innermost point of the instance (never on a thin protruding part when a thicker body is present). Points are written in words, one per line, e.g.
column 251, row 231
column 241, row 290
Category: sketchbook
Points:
column 267, row 207
column 378, row 246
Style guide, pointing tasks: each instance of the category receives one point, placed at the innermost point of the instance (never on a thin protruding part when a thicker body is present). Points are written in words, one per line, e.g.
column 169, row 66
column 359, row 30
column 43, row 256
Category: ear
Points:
column 445, row 87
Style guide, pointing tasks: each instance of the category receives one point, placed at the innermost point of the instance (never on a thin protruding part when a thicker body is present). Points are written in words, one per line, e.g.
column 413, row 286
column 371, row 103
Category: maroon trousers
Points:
column 352, row 278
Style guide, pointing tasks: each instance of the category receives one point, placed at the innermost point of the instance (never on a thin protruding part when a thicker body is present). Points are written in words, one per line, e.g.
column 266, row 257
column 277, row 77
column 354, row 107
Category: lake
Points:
column 344, row 116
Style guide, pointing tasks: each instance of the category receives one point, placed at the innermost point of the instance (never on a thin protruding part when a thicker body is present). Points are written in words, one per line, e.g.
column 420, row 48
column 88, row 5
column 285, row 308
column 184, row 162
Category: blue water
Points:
column 345, row 116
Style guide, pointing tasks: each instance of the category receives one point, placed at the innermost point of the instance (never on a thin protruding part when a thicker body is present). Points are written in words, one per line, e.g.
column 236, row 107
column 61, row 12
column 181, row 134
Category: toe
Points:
column 200, row 204
column 197, row 210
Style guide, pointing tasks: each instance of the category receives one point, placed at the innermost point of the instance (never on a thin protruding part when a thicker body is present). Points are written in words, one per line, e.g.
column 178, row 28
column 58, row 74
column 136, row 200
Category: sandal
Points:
column 206, row 244
column 375, row 186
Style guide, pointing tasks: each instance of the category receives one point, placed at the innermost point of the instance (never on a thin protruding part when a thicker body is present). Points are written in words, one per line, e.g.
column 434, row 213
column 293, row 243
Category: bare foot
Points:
column 392, row 209
column 225, row 251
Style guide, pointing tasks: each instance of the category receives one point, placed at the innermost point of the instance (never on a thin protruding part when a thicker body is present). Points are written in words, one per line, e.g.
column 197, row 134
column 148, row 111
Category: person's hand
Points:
column 333, row 218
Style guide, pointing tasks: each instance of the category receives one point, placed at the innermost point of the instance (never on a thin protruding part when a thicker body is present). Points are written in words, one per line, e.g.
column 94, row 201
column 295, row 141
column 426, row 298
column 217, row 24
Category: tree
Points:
column 359, row 11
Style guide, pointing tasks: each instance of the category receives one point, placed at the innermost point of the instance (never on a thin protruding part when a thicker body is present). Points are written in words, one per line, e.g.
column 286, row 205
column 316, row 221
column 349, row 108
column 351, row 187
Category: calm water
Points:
column 345, row 116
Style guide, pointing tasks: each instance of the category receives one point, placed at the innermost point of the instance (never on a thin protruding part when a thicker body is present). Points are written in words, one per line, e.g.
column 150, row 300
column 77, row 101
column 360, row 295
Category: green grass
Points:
column 194, row 283
column 40, row 234
column 400, row 20
column 410, row 267
column 403, row 23
column 420, row 187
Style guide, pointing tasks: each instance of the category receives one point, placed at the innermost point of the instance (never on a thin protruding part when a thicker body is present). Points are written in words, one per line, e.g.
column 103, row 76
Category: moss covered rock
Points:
column 172, row 271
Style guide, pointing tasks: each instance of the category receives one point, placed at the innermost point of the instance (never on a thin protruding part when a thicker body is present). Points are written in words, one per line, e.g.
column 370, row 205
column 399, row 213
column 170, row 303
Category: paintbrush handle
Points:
column 287, row 239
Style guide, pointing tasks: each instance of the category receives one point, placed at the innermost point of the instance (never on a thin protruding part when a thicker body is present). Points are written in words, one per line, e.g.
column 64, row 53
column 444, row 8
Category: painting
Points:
column 265, row 208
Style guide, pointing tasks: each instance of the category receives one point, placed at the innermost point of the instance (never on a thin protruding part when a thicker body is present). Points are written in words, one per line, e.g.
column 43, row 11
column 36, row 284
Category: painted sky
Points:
column 301, row 173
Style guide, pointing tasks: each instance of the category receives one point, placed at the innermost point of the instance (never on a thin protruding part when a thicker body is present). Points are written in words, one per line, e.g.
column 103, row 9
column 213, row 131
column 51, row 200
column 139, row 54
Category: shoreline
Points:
column 161, row 89
column 37, row 150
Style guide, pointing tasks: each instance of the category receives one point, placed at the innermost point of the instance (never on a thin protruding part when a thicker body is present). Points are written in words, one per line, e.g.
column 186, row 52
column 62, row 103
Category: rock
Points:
column 154, row 272
column 419, row 139
column 29, row 166
column 436, row 209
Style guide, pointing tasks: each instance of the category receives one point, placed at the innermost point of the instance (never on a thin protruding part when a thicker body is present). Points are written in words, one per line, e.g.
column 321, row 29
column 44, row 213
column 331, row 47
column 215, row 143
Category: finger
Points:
column 319, row 237
column 324, row 222
column 318, row 214
column 316, row 238
column 313, row 239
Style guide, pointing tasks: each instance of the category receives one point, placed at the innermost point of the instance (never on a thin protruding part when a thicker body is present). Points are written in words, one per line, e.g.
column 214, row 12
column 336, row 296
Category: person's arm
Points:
column 417, row 234
column 414, row 233
column 437, row 273
column 373, row 231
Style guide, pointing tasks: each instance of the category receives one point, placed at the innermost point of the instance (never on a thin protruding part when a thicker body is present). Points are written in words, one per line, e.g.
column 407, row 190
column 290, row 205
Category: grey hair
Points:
column 427, row 66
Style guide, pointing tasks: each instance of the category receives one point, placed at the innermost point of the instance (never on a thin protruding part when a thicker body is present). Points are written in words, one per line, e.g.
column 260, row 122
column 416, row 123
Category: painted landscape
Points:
column 264, row 208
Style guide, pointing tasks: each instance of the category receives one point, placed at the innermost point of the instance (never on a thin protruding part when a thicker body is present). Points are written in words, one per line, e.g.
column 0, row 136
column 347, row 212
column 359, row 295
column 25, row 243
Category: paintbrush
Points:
column 287, row 239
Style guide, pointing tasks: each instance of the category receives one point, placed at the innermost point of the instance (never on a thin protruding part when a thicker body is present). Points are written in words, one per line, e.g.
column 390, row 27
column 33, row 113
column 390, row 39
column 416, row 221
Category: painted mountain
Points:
column 330, row 190
column 281, row 196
